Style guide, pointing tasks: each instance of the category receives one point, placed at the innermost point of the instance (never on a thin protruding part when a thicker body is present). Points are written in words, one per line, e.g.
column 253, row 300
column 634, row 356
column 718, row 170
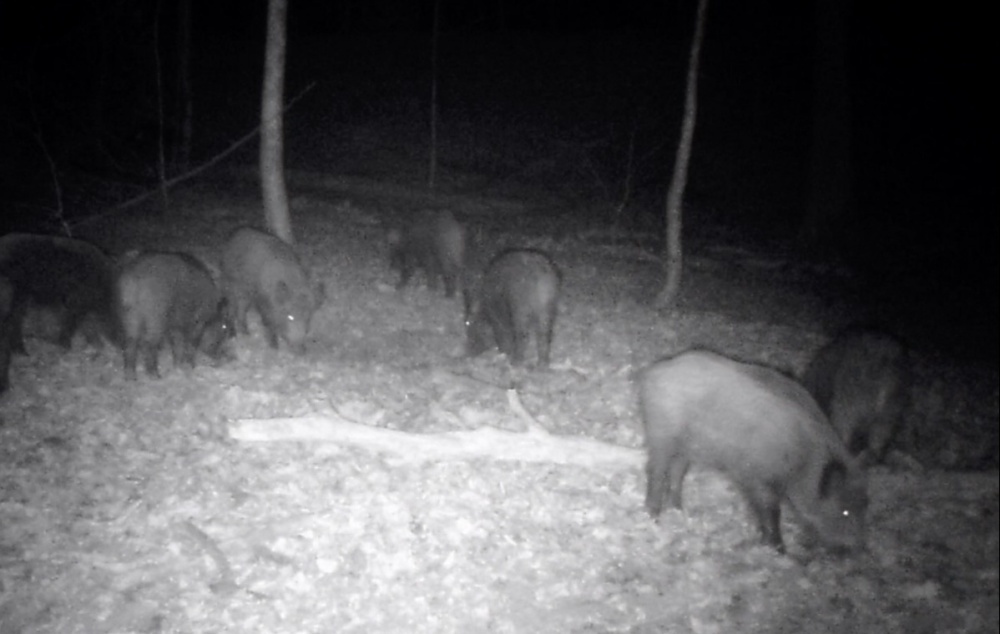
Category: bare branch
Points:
column 235, row 145
column 535, row 446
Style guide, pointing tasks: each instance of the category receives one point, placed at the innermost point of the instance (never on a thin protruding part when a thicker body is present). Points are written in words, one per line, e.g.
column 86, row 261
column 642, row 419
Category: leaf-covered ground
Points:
column 125, row 507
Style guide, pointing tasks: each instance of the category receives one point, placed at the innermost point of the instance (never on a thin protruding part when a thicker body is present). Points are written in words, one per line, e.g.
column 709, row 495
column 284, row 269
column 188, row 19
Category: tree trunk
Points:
column 272, row 136
column 673, row 253
column 830, row 173
column 161, row 123
column 185, row 101
column 432, row 171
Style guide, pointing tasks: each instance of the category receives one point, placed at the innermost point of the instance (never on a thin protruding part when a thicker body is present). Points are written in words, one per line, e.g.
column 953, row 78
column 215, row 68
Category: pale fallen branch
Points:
column 534, row 445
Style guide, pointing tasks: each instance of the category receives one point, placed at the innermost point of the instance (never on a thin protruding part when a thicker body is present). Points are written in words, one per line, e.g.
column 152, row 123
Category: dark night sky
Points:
column 923, row 115
column 926, row 204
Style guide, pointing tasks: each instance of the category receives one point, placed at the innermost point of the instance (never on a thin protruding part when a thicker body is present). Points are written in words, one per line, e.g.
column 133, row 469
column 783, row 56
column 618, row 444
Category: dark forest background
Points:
column 549, row 94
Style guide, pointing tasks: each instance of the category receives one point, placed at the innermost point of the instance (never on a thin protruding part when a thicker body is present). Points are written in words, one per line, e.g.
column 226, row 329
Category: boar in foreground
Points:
column 69, row 279
column 262, row 272
column 433, row 241
column 860, row 380
column 515, row 301
column 169, row 296
column 762, row 430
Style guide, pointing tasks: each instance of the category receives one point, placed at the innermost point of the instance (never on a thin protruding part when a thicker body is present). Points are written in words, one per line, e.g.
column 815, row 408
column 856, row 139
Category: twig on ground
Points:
column 516, row 406
column 226, row 583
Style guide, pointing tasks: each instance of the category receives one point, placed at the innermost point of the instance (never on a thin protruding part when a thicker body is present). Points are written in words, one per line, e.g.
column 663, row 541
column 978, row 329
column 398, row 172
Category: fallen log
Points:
column 533, row 445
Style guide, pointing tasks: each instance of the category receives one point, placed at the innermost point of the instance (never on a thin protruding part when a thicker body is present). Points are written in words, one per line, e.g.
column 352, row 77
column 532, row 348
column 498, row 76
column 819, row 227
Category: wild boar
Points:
column 762, row 430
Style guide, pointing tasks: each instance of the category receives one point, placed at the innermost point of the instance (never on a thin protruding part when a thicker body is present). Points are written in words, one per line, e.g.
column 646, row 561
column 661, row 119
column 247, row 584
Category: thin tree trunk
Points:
column 161, row 153
column 432, row 172
column 272, row 138
column 185, row 100
column 673, row 257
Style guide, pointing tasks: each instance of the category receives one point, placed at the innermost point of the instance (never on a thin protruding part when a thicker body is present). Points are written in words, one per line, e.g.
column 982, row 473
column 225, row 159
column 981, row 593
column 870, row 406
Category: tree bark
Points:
column 432, row 170
column 673, row 253
column 161, row 123
column 272, row 137
column 185, row 101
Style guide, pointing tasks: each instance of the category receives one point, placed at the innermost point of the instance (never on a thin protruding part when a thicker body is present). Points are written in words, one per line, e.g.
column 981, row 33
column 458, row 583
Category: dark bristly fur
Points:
column 70, row 278
column 169, row 296
column 433, row 241
column 515, row 300
column 861, row 380
column 261, row 271
column 761, row 429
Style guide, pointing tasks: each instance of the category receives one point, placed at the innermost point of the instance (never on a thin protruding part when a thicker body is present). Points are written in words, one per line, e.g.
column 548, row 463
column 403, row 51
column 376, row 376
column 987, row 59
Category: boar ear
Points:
column 831, row 480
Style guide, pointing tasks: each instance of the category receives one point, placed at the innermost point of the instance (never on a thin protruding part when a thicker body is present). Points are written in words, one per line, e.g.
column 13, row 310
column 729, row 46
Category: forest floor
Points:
column 129, row 507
